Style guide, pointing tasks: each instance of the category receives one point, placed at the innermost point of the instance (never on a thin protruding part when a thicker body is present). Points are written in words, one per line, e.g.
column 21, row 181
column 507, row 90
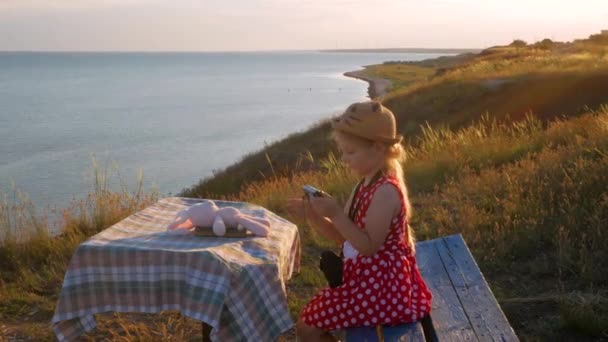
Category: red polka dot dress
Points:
column 385, row 288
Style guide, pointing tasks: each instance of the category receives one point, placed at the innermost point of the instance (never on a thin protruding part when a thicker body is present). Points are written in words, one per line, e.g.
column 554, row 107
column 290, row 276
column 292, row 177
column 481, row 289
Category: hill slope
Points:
column 555, row 81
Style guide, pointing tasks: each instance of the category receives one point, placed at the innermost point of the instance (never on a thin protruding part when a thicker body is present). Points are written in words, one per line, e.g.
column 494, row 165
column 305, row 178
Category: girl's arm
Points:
column 383, row 207
column 322, row 224
column 302, row 209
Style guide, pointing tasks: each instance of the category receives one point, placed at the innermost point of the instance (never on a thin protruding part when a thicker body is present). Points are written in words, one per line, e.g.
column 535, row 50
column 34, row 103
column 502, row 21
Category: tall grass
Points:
column 531, row 202
column 547, row 193
column 529, row 197
column 19, row 217
column 33, row 261
column 454, row 91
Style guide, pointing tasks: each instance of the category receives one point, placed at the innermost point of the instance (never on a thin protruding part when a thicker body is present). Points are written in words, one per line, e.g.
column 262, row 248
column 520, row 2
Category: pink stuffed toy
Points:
column 207, row 214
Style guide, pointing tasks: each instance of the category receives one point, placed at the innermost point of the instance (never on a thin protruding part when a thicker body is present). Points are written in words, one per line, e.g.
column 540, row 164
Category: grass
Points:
column 400, row 74
column 565, row 80
column 33, row 262
column 534, row 216
column 517, row 166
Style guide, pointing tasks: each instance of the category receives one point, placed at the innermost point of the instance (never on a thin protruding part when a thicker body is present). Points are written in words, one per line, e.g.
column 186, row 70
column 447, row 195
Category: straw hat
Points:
column 369, row 120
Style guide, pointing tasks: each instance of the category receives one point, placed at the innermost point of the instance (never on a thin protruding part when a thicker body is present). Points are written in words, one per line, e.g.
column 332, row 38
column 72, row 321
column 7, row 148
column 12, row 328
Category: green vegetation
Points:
column 450, row 91
column 33, row 262
column 508, row 147
column 532, row 204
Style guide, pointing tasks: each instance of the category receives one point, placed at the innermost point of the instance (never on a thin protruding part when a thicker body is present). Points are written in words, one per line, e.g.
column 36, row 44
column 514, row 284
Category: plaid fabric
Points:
column 236, row 285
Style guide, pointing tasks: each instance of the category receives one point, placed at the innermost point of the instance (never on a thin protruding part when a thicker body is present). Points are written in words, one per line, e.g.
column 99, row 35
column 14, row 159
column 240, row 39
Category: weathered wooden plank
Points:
column 485, row 315
column 412, row 332
column 448, row 319
column 400, row 333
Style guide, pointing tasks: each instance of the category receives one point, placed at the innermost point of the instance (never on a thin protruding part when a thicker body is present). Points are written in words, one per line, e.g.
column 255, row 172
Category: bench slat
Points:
column 449, row 321
column 485, row 315
column 402, row 333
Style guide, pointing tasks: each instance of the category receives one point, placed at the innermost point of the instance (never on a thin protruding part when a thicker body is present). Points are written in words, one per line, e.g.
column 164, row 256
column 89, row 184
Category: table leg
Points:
column 206, row 332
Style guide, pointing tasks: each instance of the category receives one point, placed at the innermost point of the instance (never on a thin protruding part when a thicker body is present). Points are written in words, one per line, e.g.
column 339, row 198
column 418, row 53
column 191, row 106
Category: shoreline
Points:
column 378, row 87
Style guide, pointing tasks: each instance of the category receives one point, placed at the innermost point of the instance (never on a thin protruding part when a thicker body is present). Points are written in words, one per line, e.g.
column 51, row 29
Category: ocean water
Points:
column 175, row 117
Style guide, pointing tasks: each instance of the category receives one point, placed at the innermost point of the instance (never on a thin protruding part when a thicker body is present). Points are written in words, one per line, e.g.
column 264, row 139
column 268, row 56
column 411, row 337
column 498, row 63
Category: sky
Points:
column 259, row 25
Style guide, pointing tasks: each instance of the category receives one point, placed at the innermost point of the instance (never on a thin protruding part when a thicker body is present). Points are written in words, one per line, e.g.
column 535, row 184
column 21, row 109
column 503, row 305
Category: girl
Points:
column 381, row 283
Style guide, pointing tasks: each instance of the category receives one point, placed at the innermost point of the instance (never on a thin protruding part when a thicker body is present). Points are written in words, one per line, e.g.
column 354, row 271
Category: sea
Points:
column 173, row 118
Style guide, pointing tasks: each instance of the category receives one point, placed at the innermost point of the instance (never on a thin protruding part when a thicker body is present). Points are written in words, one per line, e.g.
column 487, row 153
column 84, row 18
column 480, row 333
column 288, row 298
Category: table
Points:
column 235, row 285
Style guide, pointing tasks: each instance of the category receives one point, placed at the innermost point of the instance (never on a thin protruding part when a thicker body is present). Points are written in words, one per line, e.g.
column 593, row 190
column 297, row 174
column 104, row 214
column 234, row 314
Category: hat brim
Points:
column 386, row 140
column 396, row 140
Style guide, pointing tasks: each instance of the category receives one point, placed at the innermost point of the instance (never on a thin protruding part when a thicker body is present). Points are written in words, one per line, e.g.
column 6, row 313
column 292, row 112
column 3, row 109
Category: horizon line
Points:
column 388, row 49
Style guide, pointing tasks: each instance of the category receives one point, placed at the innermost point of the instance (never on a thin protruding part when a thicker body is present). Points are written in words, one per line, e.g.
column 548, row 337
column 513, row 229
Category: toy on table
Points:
column 208, row 214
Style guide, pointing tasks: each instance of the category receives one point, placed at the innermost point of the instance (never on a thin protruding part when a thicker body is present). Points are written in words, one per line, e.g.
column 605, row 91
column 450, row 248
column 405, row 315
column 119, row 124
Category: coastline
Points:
column 378, row 87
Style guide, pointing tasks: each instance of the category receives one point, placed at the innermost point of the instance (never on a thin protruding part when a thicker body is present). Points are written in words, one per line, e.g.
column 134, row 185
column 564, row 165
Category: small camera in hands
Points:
column 311, row 191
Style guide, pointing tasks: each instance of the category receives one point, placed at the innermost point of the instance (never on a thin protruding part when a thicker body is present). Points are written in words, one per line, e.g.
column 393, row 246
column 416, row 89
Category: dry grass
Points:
column 530, row 197
column 531, row 202
column 33, row 262
column 565, row 80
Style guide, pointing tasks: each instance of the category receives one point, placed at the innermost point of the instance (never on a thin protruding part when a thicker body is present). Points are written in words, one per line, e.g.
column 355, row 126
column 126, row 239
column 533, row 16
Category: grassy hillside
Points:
column 549, row 80
column 507, row 82
column 531, row 203
column 508, row 147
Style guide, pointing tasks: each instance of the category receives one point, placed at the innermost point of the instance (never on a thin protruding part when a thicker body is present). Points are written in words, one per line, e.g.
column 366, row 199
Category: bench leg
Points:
column 206, row 332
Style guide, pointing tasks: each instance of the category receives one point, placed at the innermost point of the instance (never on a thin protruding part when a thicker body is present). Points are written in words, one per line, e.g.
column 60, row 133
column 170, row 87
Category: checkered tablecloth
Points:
column 236, row 285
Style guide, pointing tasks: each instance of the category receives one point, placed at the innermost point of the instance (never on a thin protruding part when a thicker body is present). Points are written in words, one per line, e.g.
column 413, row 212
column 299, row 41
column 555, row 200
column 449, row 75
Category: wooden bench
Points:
column 463, row 308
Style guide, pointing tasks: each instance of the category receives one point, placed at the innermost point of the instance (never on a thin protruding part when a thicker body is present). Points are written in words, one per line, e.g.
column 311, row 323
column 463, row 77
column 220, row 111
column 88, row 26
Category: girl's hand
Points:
column 325, row 206
column 295, row 207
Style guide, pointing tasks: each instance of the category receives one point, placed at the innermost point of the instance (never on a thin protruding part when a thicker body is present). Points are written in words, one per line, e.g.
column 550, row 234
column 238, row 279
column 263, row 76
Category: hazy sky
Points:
column 144, row 25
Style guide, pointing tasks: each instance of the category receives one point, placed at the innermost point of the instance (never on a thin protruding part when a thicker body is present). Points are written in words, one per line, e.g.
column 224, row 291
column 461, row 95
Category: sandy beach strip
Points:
column 378, row 87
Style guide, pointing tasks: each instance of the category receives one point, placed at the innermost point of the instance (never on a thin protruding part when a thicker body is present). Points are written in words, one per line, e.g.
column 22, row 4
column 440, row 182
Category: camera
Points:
column 311, row 191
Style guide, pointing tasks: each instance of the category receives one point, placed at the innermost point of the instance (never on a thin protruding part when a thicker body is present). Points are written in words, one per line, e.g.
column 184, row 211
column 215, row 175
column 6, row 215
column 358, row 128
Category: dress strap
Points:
column 352, row 211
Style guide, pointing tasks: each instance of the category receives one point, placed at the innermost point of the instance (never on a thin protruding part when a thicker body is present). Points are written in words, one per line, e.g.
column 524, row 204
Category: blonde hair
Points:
column 394, row 157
